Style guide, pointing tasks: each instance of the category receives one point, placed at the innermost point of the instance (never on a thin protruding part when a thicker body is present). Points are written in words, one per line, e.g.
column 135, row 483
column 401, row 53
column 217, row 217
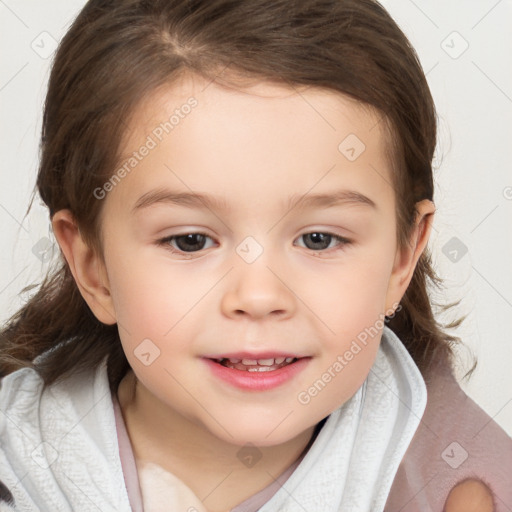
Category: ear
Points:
column 407, row 257
column 86, row 266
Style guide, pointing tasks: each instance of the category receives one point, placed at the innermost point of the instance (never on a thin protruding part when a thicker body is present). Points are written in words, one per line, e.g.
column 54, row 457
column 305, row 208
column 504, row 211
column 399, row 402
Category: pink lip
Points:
column 256, row 381
column 249, row 355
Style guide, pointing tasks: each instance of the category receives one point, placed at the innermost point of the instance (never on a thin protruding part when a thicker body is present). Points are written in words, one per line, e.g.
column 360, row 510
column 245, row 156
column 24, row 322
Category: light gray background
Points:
column 465, row 49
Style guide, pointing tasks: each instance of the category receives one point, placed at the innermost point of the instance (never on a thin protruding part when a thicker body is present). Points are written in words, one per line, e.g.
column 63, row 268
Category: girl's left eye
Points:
column 192, row 242
column 322, row 241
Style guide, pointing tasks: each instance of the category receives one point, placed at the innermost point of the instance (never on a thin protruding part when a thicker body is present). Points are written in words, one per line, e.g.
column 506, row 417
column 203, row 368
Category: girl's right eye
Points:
column 186, row 243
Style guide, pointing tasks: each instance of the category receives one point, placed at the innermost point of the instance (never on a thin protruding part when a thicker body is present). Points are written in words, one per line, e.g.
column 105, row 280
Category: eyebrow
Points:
column 205, row 201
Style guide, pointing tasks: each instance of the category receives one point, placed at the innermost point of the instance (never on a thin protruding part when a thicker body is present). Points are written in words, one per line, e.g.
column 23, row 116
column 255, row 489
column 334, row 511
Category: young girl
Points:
column 242, row 194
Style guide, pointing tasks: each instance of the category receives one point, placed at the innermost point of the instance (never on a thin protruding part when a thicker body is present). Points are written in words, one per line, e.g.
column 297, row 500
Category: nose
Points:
column 257, row 290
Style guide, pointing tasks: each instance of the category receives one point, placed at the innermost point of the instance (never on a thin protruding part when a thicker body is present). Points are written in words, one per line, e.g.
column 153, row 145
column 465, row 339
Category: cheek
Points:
column 353, row 316
column 143, row 310
column 147, row 293
column 152, row 303
column 340, row 377
column 351, row 297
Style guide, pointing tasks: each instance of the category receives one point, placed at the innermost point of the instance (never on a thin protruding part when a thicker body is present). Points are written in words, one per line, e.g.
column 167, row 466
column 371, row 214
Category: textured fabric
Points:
column 456, row 440
column 59, row 449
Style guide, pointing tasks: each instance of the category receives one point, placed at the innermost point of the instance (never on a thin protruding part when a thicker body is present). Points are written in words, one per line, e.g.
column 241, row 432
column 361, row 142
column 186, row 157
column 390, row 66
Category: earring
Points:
column 387, row 318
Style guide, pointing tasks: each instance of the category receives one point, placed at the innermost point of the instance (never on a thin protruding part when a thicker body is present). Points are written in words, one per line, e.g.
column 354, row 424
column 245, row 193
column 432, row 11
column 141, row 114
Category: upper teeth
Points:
column 262, row 362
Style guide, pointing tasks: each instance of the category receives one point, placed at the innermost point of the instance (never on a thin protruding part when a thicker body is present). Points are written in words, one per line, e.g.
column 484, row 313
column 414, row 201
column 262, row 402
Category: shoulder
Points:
column 458, row 454
column 28, row 406
column 471, row 495
column 23, row 376
column 19, row 392
column 48, row 433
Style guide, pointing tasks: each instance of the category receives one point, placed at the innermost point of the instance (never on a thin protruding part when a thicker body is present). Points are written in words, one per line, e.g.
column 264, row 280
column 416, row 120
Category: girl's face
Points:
column 254, row 224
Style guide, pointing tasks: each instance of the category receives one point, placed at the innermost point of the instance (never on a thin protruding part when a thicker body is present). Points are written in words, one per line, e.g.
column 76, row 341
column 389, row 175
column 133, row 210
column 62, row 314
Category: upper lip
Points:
column 252, row 355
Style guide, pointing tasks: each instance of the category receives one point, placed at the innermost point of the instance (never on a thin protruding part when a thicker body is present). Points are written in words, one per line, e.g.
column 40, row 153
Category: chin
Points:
column 258, row 434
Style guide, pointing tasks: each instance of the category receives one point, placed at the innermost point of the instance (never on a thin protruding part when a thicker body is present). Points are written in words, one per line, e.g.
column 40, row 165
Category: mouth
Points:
column 256, row 372
column 267, row 364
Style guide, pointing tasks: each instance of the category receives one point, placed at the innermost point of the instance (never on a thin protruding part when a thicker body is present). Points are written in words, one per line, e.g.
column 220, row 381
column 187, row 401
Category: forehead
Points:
column 300, row 101
column 206, row 135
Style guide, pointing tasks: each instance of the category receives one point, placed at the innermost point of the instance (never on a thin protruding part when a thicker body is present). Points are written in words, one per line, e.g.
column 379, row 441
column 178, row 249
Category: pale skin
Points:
column 253, row 148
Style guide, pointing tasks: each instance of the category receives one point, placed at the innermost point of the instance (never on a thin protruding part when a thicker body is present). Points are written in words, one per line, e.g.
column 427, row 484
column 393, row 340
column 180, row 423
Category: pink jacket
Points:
column 456, row 440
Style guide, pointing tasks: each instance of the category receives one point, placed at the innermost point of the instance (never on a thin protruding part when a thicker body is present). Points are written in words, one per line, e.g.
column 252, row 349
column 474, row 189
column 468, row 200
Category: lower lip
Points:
column 257, row 381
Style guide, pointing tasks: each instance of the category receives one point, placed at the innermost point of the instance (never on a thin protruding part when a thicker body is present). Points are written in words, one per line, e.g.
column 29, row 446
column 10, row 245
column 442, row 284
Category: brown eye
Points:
column 191, row 242
column 186, row 243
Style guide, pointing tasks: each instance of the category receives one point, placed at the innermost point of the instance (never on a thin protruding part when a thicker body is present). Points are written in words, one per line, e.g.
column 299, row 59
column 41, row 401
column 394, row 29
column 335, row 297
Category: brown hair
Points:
column 117, row 52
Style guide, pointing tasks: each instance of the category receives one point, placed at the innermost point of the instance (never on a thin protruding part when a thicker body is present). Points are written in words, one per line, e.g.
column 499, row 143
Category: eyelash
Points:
column 343, row 242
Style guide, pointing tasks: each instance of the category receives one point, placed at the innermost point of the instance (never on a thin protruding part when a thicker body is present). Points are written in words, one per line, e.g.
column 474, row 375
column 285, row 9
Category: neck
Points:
column 215, row 470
